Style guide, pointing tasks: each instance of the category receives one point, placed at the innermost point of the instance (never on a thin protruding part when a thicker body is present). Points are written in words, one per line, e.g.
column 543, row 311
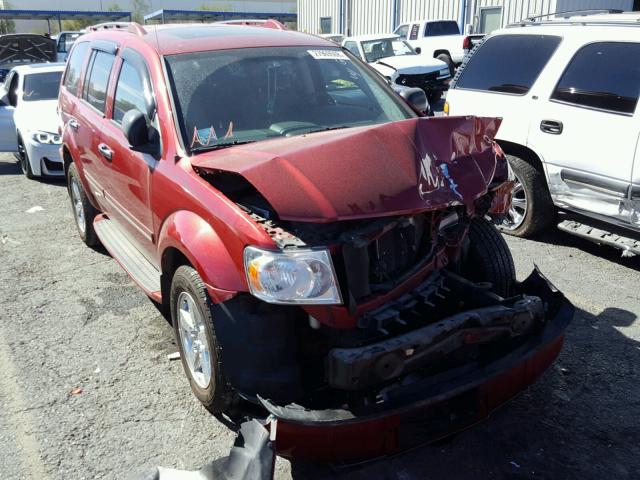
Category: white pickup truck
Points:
column 435, row 38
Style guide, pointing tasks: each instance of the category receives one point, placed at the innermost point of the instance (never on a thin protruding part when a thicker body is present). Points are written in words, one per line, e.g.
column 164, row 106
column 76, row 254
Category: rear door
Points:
column 130, row 172
column 89, row 118
column 587, row 128
column 8, row 138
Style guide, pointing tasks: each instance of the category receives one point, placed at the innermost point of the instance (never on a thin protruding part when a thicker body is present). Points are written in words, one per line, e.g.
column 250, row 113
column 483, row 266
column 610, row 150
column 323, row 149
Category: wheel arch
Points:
column 67, row 159
column 517, row 150
column 440, row 51
column 187, row 239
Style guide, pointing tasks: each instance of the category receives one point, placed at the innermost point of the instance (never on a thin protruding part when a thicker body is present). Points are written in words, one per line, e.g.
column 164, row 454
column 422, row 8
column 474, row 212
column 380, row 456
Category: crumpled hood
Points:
column 411, row 64
column 40, row 115
column 395, row 168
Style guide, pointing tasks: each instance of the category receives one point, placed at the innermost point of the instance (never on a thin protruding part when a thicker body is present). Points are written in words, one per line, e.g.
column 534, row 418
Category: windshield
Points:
column 236, row 96
column 385, row 47
column 41, row 86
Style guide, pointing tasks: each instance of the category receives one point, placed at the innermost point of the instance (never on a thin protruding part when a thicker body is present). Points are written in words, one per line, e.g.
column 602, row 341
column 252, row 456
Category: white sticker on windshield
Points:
column 332, row 54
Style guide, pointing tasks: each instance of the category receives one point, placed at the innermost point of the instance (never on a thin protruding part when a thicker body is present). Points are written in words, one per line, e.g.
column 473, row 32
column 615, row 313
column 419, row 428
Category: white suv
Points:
column 567, row 90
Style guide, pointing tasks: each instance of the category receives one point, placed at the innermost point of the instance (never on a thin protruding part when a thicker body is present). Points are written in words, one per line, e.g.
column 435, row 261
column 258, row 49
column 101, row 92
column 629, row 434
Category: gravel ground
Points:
column 86, row 390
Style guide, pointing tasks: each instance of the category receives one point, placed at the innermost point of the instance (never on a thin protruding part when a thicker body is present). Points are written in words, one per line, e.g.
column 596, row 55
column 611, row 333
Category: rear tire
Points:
column 532, row 210
column 83, row 211
column 489, row 258
column 200, row 351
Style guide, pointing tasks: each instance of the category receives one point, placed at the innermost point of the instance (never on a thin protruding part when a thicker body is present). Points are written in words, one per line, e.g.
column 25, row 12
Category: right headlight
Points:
column 301, row 276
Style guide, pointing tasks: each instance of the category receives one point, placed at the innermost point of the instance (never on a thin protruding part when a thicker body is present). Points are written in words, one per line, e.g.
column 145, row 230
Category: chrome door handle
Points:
column 554, row 127
column 105, row 151
column 73, row 123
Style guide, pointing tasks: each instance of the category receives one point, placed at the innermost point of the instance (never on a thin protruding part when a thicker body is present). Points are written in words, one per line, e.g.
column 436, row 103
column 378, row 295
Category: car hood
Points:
column 40, row 115
column 395, row 168
column 411, row 64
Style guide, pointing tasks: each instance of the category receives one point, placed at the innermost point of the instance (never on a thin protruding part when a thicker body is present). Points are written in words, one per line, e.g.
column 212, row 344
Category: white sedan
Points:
column 28, row 119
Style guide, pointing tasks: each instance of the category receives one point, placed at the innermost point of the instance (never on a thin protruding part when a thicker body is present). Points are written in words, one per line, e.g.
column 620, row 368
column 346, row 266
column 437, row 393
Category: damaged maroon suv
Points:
column 321, row 248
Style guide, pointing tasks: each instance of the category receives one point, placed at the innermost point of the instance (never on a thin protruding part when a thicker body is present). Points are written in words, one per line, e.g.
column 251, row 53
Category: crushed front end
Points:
column 422, row 329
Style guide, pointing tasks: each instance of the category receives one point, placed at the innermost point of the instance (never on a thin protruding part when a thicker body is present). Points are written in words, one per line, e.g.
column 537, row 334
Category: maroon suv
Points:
column 322, row 249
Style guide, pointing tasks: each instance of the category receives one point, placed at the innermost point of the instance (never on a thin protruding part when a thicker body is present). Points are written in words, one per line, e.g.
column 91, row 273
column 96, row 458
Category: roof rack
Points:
column 572, row 13
column 131, row 27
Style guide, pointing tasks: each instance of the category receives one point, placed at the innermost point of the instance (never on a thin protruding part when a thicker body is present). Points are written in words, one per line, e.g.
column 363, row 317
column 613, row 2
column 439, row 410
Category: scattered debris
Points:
column 76, row 391
column 515, row 464
column 97, row 370
column 174, row 356
column 35, row 209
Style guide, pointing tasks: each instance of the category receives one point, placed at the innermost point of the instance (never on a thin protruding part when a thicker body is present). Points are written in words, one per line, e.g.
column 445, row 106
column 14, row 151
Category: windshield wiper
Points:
column 326, row 129
column 218, row 146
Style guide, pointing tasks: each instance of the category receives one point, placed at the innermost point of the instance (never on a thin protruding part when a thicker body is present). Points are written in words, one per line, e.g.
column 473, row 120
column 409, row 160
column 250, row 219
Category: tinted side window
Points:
column 436, row 29
column 74, row 67
column 95, row 91
column 602, row 75
column 130, row 92
column 508, row 63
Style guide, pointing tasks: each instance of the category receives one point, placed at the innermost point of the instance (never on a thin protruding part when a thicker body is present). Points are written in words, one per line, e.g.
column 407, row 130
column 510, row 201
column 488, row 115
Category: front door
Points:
column 587, row 127
column 130, row 172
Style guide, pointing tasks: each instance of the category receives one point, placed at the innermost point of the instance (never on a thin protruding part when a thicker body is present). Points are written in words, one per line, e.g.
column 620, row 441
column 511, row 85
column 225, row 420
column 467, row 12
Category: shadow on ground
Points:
column 580, row 421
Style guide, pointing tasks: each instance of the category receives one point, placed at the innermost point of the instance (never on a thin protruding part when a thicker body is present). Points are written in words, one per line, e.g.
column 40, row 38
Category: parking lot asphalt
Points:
column 87, row 391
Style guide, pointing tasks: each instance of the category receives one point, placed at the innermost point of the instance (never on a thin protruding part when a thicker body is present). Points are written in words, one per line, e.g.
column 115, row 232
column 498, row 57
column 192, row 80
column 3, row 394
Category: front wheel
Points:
column 83, row 211
column 489, row 258
column 200, row 352
column 23, row 159
column 531, row 209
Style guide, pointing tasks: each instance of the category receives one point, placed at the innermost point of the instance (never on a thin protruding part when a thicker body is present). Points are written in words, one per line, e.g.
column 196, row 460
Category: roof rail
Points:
column 131, row 27
column 256, row 22
column 571, row 13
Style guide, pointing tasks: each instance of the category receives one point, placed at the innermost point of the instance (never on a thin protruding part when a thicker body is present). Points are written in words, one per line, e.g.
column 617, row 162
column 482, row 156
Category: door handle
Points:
column 73, row 123
column 105, row 151
column 554, row 127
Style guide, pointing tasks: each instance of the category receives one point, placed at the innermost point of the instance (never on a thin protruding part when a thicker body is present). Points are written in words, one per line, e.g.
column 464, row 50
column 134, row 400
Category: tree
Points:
column 7, row 26
column 114, row 7
column 139, row 8
column 215, row 7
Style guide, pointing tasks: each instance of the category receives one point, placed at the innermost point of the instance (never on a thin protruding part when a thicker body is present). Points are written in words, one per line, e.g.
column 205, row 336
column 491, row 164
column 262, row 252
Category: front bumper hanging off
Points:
column 434, row 406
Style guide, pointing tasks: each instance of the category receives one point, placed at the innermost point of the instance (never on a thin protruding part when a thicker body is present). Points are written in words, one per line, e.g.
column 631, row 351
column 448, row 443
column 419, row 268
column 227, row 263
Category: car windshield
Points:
column 41, row 86
column 237, row 96
column 385, row 47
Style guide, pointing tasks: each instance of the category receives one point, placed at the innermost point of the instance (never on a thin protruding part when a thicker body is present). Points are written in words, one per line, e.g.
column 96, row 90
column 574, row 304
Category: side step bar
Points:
column 629, row 246
column 128, row 256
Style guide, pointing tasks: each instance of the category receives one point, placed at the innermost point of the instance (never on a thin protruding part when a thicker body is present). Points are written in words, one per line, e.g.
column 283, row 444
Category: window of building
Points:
column 325, row 25
column 95, row 88
column 500, row 66
column 490, row 19
column 130, row 92
column 601, row 76
column 74, row 67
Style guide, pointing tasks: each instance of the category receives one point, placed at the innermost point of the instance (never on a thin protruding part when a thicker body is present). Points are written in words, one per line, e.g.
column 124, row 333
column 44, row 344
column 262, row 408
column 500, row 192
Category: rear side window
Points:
column 603, row 75
column 130, row 92
column 95, row 86
column 508, row 63
column 74, row 67
column 402, row 31
column 437, row 29
column 353, row 48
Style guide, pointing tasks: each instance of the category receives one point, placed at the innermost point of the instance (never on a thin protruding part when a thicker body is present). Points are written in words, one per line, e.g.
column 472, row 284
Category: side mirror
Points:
column 418, row 50
column 138, row 133
column 416, row 98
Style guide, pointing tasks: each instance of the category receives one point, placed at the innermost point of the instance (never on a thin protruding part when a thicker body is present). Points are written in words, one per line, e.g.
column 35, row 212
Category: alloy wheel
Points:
column 193, row 339
column 518, row 209
column 78, row 208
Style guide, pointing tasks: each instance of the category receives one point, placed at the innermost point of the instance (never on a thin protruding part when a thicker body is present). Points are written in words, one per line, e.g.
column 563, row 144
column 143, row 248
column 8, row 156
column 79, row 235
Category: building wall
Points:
column 378, row 16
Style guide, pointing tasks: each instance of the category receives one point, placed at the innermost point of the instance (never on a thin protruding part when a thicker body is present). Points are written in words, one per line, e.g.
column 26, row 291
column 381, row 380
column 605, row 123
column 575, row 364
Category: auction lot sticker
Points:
column 332, row 54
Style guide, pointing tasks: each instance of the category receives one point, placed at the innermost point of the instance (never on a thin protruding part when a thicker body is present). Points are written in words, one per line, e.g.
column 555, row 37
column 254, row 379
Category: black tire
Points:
column 540, row 212
column 447, row 59
column 84, row 224
column 434, row 97
column 218, row 396
column 489, row 258
column 23, row 159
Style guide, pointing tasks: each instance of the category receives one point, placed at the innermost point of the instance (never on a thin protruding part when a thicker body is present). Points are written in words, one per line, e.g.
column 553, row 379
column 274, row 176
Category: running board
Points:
column 128, row 256
column 629, row 246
